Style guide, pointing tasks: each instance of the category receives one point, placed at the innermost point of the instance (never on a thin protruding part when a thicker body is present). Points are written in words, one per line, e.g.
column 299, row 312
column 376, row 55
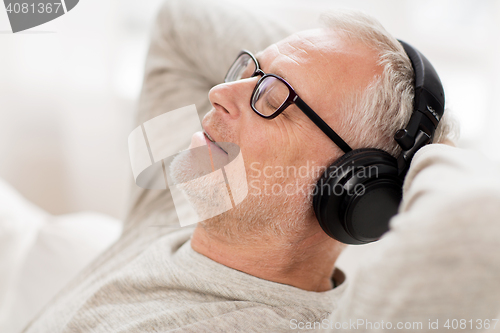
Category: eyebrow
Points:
column 278, row 72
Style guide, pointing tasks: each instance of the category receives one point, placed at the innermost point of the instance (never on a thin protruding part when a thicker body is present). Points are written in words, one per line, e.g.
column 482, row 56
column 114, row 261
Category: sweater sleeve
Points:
column 441, row 258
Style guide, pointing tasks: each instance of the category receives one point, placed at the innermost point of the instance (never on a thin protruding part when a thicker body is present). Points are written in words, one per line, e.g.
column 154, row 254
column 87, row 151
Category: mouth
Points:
column 213, row 141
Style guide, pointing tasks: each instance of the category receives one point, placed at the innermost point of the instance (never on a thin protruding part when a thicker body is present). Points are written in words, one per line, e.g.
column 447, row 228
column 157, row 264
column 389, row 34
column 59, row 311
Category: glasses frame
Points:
column 292, row 98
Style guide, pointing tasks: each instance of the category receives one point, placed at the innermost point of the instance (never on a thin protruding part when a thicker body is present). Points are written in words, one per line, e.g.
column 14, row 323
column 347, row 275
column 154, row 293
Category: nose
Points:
column 233, row 97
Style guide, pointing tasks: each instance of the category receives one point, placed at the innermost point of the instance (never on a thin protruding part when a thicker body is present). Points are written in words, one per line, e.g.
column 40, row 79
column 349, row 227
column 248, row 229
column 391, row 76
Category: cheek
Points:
column 256, row 148
column 272, row 143
column 255, row 139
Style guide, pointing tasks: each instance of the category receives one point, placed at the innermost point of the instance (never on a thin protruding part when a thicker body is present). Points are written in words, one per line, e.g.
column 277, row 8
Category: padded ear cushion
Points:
column 356, row 152
column 357, row 195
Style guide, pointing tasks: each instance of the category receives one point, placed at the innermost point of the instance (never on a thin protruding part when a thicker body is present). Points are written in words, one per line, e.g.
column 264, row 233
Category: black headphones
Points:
column 359, row 193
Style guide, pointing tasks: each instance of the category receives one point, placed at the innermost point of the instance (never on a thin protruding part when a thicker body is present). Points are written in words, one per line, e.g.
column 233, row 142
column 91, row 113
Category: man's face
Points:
column 323, row 68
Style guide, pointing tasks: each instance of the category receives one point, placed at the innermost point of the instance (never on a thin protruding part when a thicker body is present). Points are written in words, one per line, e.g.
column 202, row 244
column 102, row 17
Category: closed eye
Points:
column 270, row 106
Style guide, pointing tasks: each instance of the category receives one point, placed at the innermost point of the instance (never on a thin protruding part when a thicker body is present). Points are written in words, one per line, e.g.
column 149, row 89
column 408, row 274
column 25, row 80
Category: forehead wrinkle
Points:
column 323, row 53
column 291, row 52
column 315, row 71
column 320, row 51
column 290, row 56
column 278, row 70
column 265, row 66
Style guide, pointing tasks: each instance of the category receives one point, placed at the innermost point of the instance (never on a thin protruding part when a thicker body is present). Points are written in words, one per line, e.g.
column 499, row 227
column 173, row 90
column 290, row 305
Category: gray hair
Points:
column 370, row 118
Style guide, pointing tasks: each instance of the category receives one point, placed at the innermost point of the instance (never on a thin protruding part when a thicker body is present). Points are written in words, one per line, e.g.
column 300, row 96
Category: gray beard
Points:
column 257, row 216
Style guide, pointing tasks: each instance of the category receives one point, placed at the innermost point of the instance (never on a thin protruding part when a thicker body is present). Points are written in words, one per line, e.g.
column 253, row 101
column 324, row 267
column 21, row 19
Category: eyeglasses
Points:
column 272, row 95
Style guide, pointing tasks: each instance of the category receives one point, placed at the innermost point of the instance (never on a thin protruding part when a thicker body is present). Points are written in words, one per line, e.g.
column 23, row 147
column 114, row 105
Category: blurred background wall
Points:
column 68, row 88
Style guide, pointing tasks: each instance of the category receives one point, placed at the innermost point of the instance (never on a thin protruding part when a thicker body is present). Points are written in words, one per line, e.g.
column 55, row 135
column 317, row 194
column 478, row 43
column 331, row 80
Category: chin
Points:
column 206, row 191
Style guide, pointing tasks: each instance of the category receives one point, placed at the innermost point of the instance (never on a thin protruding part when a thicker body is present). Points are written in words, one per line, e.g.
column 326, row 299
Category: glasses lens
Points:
column 242, row 68
column 269, row 95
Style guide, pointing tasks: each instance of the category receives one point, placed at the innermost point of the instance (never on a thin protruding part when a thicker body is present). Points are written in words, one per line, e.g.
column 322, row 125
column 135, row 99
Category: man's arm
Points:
column 440, row 260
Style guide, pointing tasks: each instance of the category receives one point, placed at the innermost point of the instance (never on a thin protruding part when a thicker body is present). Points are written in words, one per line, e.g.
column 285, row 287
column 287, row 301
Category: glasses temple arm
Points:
column 322, row 125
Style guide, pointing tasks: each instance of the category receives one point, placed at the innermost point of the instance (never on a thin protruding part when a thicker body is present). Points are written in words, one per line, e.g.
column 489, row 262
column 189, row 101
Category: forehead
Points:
column 321, row 64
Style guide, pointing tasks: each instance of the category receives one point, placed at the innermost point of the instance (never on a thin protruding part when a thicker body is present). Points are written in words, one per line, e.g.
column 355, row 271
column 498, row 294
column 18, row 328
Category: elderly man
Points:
column 267, row 265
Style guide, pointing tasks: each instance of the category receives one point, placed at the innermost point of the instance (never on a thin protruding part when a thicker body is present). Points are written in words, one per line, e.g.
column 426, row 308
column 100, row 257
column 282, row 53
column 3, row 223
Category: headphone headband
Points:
column 428, row 108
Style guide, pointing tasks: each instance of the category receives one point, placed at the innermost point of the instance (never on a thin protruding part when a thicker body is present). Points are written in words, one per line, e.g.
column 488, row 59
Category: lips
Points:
column 213, row 141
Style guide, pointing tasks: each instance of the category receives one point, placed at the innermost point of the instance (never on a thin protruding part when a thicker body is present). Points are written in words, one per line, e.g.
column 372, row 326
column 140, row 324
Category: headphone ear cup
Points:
column 357, row 196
